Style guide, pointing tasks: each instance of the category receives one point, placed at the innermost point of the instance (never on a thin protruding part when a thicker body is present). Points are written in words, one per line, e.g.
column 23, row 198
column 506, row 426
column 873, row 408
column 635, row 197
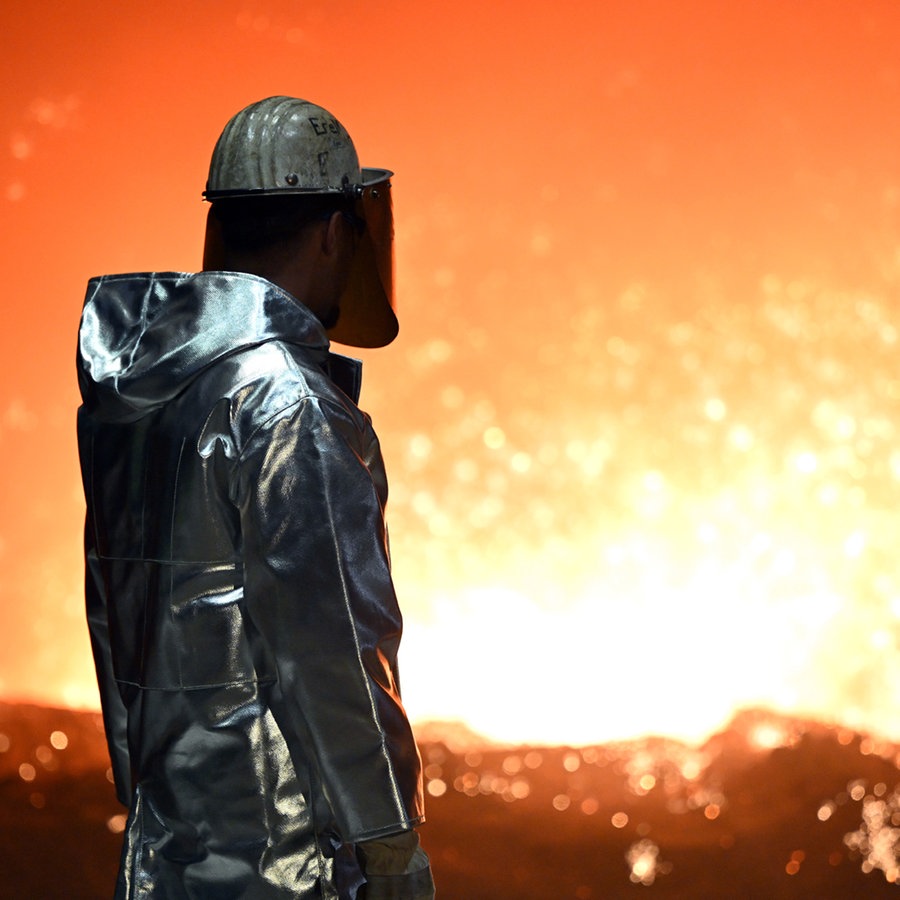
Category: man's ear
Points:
column 332, row 233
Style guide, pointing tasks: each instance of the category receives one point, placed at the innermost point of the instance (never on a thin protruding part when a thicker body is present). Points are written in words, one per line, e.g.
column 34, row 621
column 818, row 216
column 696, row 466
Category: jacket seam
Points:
column 280, row 412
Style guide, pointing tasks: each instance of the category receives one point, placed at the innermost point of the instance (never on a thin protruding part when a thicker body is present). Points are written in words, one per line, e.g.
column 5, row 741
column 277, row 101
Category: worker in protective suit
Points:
column 242, row 615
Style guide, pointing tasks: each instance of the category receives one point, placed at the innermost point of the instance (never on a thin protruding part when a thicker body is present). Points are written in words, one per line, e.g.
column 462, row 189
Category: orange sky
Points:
column 599, row 216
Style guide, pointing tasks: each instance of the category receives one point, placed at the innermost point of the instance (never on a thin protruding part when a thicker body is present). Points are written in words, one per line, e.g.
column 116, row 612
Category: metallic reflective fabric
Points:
column 241, row 609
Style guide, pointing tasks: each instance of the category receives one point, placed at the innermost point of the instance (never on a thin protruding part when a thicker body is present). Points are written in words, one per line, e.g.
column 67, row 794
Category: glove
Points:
column 396, row 868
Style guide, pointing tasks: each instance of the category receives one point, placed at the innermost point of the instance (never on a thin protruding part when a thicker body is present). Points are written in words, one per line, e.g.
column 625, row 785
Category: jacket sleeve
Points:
column 318, row 590
column 115, row 718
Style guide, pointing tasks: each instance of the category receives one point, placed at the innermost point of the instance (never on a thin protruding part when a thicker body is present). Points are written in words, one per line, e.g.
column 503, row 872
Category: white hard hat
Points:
column 284, row 146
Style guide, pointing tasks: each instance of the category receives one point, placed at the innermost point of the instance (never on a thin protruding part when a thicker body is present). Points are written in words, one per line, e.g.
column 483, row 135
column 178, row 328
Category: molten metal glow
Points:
column 715, row 534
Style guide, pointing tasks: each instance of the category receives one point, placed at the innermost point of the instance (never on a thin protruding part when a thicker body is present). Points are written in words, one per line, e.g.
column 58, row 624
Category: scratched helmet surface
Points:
column 285, row 145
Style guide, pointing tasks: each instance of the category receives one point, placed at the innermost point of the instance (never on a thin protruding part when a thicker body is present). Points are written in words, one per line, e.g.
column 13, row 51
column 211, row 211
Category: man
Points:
column 242, row 615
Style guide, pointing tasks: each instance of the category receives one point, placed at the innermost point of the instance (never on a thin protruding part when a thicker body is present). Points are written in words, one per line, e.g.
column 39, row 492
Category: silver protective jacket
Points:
column 241, row 609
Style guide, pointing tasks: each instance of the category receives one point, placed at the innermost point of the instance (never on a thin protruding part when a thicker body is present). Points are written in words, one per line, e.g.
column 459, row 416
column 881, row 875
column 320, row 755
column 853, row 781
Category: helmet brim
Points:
column 369, row 177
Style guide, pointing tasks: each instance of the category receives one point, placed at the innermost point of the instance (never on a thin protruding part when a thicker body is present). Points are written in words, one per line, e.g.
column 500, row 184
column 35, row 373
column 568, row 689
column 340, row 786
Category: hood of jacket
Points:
column 145, row 336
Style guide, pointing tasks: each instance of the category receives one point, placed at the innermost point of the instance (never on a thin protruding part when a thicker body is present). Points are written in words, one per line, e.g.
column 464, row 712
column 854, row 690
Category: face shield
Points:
column 367, row 317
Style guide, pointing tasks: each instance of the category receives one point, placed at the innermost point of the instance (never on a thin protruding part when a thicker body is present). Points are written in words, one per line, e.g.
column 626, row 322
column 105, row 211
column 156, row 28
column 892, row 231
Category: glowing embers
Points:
column 794, row 863
column 826, row 811
column 32, row 760
column 42, row 114
column 644, row 859
column 43, row 758
column 472, row 783
column 434, row 782
column 766, row 734
column 677, row 773
column 116, row 824
column 651, row 804
column 877, row 839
